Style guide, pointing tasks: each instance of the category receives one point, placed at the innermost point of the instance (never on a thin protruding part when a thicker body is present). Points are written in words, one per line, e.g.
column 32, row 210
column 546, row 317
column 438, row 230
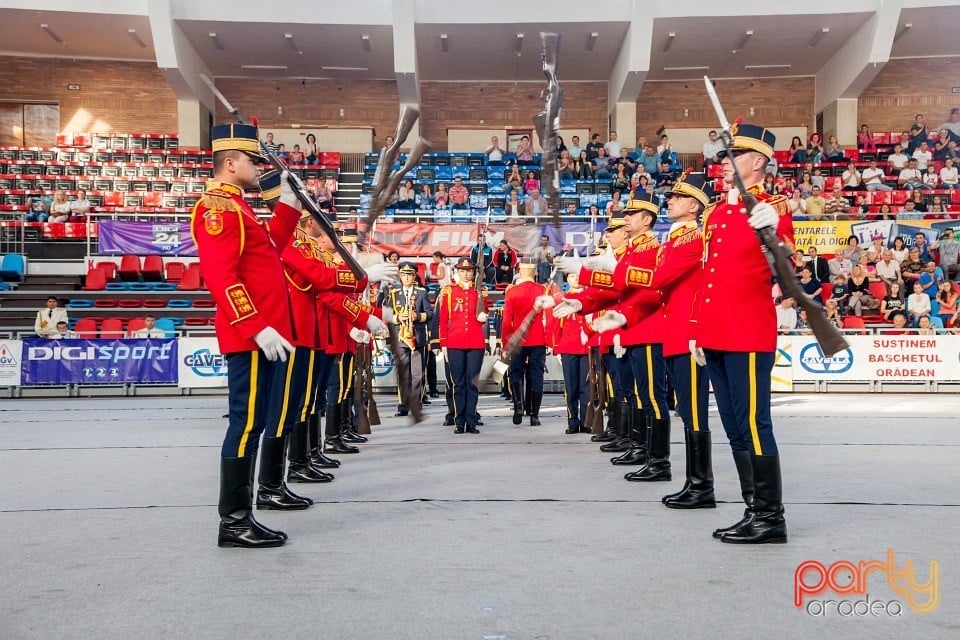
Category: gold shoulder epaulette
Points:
column 215, row 201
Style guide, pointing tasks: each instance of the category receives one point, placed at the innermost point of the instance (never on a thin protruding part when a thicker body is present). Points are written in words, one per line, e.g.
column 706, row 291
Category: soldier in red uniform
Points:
column 738, row 347
column 677, row 276
column 240, row 260
column 460, row 330
column 569, row 341
column 529, row 358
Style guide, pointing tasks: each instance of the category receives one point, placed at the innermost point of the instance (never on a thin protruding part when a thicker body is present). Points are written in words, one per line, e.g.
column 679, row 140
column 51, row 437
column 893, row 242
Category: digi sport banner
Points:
column 70, row 361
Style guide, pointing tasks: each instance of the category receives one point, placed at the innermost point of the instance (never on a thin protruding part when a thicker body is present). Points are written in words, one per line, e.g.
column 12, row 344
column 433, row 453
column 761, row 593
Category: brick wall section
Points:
column 365, row 103
column 506, row 104
column 905, row 88
column 124, row 97
column 777, row 102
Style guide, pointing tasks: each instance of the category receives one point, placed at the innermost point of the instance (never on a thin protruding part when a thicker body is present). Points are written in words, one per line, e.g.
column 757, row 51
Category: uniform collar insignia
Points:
column 225, row 187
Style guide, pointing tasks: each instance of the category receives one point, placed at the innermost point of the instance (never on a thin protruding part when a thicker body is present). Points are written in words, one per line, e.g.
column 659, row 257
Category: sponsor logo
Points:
column 813, row 360
column 206, row 364
column 103, row 353
column 7, row 359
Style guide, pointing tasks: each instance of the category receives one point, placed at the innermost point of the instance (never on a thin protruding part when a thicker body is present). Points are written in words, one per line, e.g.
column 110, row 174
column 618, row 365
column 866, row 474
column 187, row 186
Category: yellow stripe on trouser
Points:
column 251, row 401
column 286, row 393
column 345, row 381
column 752, row 375
column 636, row 395
column 650, row 394
column 694, row 396
column 610, row 393
column 308, row 390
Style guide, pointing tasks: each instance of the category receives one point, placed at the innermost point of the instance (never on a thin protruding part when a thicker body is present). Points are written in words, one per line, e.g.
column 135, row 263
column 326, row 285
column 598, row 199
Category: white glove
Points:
column 609, row 321
column 549, row 351
column 273, row 345
column 359, row 335
column 482, row 317
column 567, row 308
column 381, row 271
column 568, row 264
column 698, row 353
column 544, row 302
column 443, row 350
column 584, row 338
column 606, row 261
column 763, row 215
column 287, row 195
column 376, row 326
column 618, row 350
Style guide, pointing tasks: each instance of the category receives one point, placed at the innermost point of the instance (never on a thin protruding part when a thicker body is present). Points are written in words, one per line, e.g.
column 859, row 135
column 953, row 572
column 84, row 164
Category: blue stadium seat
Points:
column 163, row 286
column 118, row 286
column 80, row 303
column 179, row 303
column 444, row 173
column 167, row 326
column 12, row 268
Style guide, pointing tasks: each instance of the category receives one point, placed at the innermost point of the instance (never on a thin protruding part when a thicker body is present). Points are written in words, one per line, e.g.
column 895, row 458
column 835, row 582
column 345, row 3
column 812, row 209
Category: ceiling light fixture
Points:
column 756, row 67
column 518, row 46
column 136, row 38
column 818, row 36
column 365, row 43
column 443, row 42
column 592, row 40
column 50, row 32
column 685, row 68
column 903, row 30
column 744, row 40
column 216, row 40
column 290, row 41
column 669, row 42
column 344, row 68
column 264, row 67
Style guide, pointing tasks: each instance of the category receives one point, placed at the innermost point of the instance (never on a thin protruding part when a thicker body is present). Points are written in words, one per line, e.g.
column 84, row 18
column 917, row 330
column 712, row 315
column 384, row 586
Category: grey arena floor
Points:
column 108, row 522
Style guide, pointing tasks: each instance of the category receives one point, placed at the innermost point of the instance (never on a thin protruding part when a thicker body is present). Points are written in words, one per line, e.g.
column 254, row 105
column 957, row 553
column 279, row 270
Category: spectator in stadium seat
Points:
column 873, row 177
column 852, row 179
column 947, row 298
column 531, row 184
column 899, row 319
column 616, row 203
column 282, row 153
column 888, row 269
column 811, row 286
column 911, row 268
column 62, row 332
column 918, row 133
column 601, row 165
column 833, row 313
column 666, row 178
column 859, row 287
column 665, row 148
column 437, row 271
column 524, row 150
column 621, row 179
column 931, row 278
column 543, row 255
column 941, row 148
column 566, row 167
column 711, row 148
column 893, row 302
column 840, row 265
column 536, row 206
column 769, row 183
column 574, row 147
column 80, row 208
column 649, row 159
column 909, row 211
column 931, row 178
column 323, row 194
column 613, row 146
column 310, row 148
column 629, row 164
column 60, row 207
column 798, row 151
column 918, row 304
column 817, row 178
column 594, row 146
column 899, row 250
column 897, row 161
column 571, row 210
column 865, row 140
column 786, row 314
column 459, row 195
column 837, row 206
column 805, row 186
column 832, row 151
column 270, row 144
column 514, row 206
column 644, row 185
column 47, row 319
column 296, row 157
column 815, row 148
column 424, row 199
column 149, row 329
column 910, row 177
column 494, row 151
column 816, row 205
column 505, row 260
column 819, row 265
column 953, row 124
column 514, row 181
column 923, row 156
column 948, row 174
column 852, row 249
column 441, row 200
column 840, row 294
column 584, row 168
column 406, row 195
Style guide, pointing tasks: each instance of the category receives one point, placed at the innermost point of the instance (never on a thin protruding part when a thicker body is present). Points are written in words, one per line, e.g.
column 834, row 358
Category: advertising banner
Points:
column 146, row 361
column 201, row 364
column 884, row 358
column 10, row 356
column 141, row 238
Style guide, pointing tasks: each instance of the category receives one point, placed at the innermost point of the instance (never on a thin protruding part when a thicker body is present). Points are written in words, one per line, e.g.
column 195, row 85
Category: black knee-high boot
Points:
column 536, row 397
column 273, row 492
column 301, row 468
column 767, row 524
column 609, row 433
column 333, row 443
column 238, row 527
column 745, row 474
column 622, row 442
column 698, row 487
column 657, row 468
column 637, row 427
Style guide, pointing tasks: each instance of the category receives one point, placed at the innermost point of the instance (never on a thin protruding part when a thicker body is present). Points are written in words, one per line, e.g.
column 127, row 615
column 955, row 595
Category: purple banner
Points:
column 68, row 361
column 141, row 238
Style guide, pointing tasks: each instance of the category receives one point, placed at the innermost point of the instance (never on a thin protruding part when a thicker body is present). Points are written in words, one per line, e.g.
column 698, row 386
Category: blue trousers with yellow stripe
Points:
column 339, row 388
column 614, row 390
column 624, row 374
column 464, row 367
column 253, row 384
column 690, row 383
column 576, row 391
column 650, row 373
column 285, row 410
column 741, row 385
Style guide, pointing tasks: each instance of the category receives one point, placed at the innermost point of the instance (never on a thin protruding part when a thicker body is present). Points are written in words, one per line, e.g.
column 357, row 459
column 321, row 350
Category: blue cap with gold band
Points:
column 407, row 267
column 694, row 185
column 617, row 220
column 270, row 185
column 751, row 137
column 643, row 202
column 236, row 137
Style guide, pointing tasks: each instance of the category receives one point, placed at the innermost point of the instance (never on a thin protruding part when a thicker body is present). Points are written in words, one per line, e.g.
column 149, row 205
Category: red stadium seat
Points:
column 153, row 303
column 955, row 196
column 152, row 270
column 129, row 268
column 194, row 322
column 899, row 197
column 96, row 280
column 111, row 328
column 109, row 269
column 105, row 303
column 827, row 290
column 882, row 197
column 203, row 304
column 853, row 322
column 190, row 280
column 832, row 182
column 174, row 271
column 135, row 325
column 86, row 328
column 330, row 159
column 129, row 303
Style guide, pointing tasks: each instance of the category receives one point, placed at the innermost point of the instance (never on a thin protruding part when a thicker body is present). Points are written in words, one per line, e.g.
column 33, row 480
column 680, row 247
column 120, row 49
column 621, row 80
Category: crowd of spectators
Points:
column 58, row 207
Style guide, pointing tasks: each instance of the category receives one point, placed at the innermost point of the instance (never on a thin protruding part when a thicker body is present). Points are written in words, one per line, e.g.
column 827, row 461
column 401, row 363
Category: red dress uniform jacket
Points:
column 517, row 304
column 240, row 262
column 678, row 277
column 565, row 335
column 341, row 311
column 458, row 327
column 734, row 309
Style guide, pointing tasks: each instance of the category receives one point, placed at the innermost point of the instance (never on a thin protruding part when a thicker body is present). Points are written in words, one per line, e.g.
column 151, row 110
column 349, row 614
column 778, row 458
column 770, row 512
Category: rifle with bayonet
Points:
column 547, row 123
